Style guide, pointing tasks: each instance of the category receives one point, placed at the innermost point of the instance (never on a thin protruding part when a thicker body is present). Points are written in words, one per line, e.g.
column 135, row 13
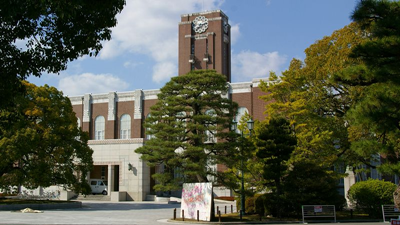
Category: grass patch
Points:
column 235, row 217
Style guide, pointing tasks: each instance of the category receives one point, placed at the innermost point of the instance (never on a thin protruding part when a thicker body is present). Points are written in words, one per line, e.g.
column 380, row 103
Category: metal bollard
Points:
column 175, row 214
column 183, row 215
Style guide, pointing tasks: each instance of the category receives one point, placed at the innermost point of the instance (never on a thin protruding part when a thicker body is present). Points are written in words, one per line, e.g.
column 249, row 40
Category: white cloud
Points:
column 110, row 49
column 91, row 83
column 129, row 64
column 151, row 28
column 235, row 33
column 248, row 65
column 164, row 71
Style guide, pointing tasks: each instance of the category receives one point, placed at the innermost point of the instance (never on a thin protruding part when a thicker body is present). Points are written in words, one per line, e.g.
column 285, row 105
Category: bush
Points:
column 250, row 202
column 271, row 204
column 259, row 207
column 370, row 195
column 311, row 184
column 250, row 205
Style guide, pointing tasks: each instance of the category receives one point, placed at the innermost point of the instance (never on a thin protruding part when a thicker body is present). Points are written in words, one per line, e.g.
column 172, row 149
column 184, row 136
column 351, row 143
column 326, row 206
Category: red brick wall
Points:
column 259, row 105
column 252, row 102
column 78, row 112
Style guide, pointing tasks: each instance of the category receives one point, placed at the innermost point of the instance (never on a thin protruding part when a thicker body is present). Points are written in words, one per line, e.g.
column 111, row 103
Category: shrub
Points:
column 311, row 184
column 250, row 205
column 259, row 207
column 271, row 204
column 369, row 195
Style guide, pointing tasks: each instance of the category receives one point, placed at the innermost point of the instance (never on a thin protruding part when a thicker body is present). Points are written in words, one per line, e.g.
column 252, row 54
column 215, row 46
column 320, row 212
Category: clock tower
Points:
column 205, row 43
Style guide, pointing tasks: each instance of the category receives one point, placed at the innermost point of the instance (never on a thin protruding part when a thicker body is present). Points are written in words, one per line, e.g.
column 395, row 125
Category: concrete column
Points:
column 138, row 104
column 348, row 182
column 87, row 112
column 111, row 117
column 137, row 116
column 110, row 185
column 88, row 176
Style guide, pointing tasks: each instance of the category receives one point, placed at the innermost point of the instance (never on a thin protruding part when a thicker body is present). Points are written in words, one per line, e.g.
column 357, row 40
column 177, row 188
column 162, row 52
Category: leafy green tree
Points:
column 55, row 32
column 42, row 144
column 370, row 195
column 248, row 163
column 190, row 132
column 313, row 101
column 375, row 117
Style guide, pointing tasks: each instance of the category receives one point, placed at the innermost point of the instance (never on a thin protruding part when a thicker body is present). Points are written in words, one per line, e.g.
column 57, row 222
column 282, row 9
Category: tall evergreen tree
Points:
column 189, row 126
column 275, row 143
column 376, row 116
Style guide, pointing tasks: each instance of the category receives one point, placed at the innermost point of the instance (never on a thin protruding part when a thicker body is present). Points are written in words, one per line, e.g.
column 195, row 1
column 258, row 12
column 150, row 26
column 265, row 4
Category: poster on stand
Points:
column 197, row 196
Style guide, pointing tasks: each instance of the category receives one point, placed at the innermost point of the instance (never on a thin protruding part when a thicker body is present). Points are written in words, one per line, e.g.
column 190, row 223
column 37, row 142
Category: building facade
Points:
column 115, row 120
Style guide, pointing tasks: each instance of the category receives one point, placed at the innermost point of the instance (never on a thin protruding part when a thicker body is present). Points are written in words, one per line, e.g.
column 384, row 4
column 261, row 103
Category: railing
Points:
column 389, row 211
column 318, row 211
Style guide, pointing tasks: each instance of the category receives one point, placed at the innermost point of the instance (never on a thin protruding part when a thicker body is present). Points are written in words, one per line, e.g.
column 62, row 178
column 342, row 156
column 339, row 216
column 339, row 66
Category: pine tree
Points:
column 189, row 126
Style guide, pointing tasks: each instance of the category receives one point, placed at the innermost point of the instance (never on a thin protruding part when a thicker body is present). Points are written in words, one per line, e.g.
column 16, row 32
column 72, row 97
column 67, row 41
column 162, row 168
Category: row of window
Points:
column 125, row 126
column 100, row 127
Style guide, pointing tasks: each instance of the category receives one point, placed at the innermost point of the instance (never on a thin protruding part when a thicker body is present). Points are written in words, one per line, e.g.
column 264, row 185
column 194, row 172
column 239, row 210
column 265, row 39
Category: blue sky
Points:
column 143, row 52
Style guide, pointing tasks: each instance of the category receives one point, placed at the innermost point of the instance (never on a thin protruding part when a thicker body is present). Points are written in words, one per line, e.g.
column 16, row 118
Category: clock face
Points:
column 200, row 24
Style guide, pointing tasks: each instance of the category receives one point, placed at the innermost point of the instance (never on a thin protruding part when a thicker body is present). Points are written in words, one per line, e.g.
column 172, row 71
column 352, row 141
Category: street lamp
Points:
column 250, row 127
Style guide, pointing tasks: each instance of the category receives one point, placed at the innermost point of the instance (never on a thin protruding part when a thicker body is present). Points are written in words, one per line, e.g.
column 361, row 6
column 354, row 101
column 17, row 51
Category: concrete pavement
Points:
column 94, row 212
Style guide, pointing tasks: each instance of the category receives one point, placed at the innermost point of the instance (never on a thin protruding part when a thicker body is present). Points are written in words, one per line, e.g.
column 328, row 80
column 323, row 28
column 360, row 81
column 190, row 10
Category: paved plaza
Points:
column 94, row 212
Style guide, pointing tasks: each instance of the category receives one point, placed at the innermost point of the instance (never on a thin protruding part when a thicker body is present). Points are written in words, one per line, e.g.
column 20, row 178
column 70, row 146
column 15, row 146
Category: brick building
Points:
column 114, row 120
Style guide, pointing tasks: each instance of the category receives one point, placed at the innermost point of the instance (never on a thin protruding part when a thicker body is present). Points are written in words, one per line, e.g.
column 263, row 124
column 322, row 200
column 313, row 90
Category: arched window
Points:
column 99, row 127
column 125, row 127
column 240, row 113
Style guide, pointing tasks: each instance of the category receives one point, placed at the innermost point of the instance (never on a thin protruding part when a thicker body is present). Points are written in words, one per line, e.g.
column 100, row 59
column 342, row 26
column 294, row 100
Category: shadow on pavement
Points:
column 106, row 206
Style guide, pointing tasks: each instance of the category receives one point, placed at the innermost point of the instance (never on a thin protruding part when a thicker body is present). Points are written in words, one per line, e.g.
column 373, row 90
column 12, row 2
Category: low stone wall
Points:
column 67, row 195
column 66, row 205
column 117, row 196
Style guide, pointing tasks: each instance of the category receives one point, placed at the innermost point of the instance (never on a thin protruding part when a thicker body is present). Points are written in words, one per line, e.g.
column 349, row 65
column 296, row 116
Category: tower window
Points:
column 191, row 60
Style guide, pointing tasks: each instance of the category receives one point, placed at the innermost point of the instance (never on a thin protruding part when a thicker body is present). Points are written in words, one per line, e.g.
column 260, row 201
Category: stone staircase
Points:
column 94, row 197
